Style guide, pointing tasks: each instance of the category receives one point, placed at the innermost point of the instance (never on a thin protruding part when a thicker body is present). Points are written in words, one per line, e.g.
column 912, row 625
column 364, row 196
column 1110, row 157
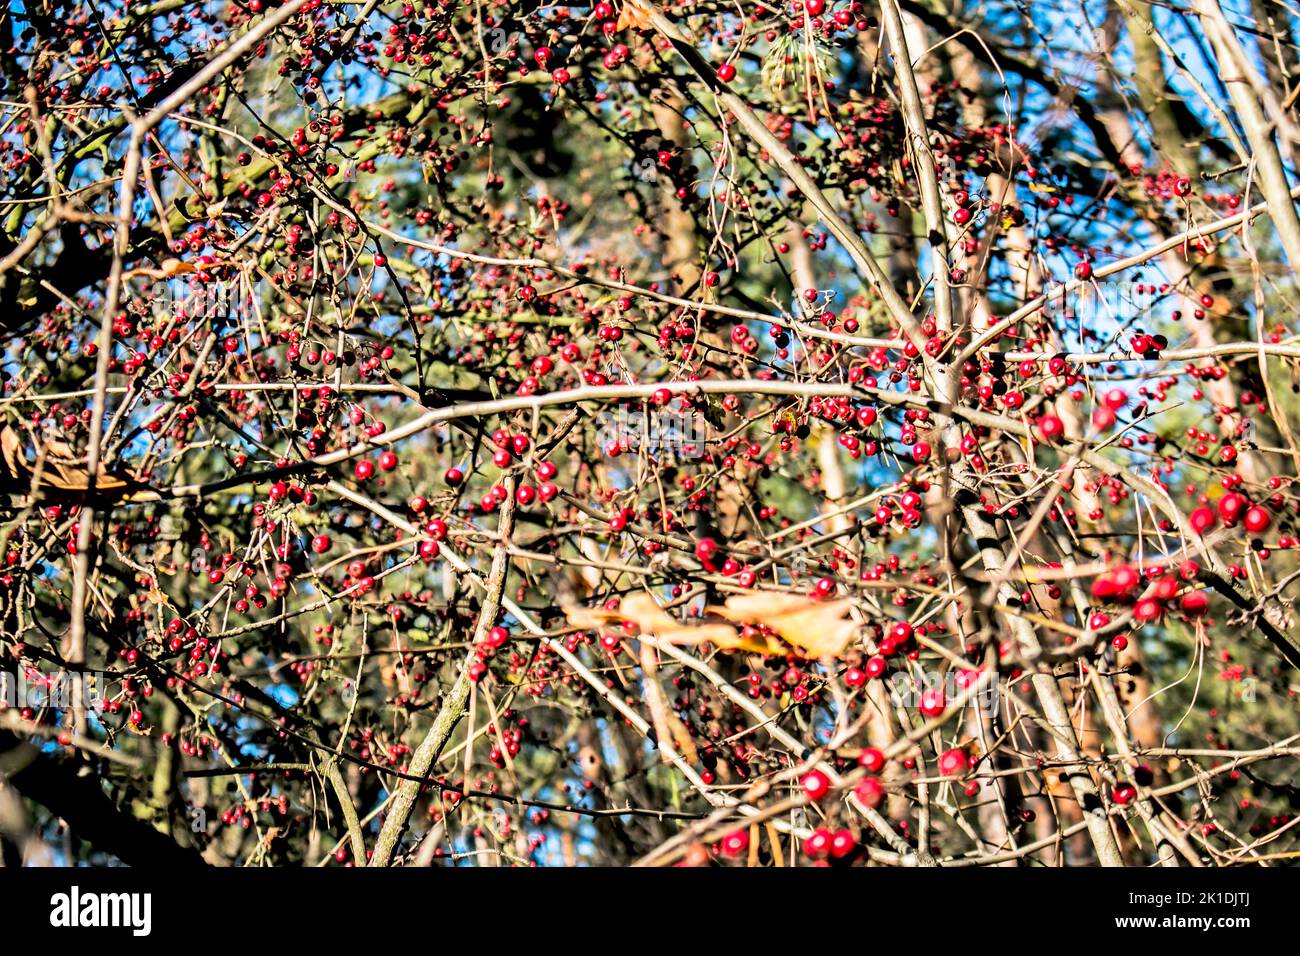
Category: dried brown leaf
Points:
column 647, row 617
column 793, row 623
column 634, row 15
column 813, row 628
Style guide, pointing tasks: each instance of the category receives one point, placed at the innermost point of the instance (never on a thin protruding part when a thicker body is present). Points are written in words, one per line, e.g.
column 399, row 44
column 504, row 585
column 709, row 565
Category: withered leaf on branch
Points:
column 170, row 267
column 769, row 624
column 634, row 15
column 648, row 617
column 815, row 628
column 61, row 468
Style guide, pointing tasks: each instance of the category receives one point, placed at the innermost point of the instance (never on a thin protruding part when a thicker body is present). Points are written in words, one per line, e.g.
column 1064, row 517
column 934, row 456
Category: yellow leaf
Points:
column 647, row 617
column 814, row 628
column 772, row 624
column 634, row 15
column 171, row 267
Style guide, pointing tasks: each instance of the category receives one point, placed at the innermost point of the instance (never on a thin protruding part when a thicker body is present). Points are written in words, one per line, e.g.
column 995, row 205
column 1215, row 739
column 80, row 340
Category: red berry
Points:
column 871, row 760
column 818, row 844
column 843, row 843
column 870, row 792
column 1232, row 506
column 1050, row 427
column 1147, row 609
column 933, row 702
column 735, row 843
column 1257, row 520
column 952, row 762
column 1195, row 603
column 706, row 551
column 815, row 785
column 1202, row 519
